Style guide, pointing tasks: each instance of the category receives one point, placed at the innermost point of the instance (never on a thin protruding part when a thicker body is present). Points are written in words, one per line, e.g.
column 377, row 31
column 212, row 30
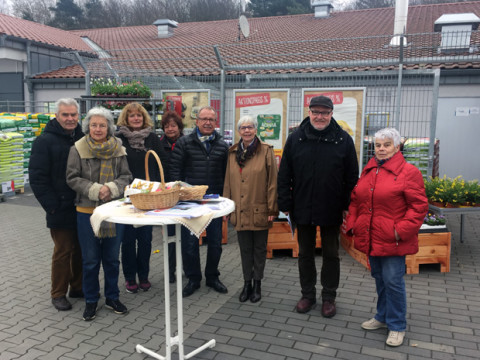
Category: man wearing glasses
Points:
column 201, row 159
column 318, row 171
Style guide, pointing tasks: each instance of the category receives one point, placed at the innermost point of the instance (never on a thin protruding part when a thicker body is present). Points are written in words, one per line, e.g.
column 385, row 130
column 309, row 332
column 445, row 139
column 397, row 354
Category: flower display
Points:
column 433, row 219
column 447, row 192
column 108, row 87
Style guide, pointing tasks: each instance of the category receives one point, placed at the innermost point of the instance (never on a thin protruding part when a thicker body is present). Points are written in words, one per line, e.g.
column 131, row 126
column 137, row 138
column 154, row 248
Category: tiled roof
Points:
column 29, row 30
column 334, row 41
column 69, row 72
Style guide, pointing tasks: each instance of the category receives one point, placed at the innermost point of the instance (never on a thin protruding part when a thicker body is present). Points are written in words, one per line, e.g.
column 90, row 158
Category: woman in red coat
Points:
column 386, row 211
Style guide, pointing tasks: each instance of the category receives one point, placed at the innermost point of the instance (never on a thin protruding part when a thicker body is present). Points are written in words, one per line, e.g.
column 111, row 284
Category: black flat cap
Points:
column 321, row 101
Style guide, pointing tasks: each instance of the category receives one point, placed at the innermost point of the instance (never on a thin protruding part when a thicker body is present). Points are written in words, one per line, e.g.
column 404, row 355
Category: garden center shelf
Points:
column 154, row 106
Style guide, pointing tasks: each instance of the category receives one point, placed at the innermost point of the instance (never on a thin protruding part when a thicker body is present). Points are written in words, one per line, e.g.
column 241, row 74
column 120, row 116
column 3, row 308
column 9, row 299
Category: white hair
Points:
column 389, row 133
column 66, row 102
column 99, row 111
column 247, row 119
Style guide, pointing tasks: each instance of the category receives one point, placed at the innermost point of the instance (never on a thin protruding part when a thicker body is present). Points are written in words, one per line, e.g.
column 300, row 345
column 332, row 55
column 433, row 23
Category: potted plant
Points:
column 447, row 192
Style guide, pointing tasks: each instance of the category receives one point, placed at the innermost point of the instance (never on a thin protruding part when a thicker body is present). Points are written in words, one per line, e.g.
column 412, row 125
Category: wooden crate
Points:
column 433, row 248
column 224, row 233
column 347, row 244
column 280, row 237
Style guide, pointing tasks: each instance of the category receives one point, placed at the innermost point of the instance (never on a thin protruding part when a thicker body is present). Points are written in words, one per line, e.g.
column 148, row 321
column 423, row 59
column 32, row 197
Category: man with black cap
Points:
column 318, row 171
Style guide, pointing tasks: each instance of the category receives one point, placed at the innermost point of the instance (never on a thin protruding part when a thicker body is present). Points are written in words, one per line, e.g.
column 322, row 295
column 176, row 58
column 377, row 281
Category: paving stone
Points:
column 443, row 311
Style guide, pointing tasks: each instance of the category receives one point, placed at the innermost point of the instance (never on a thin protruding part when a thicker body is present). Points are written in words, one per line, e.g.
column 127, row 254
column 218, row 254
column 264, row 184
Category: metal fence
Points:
column 401, row 82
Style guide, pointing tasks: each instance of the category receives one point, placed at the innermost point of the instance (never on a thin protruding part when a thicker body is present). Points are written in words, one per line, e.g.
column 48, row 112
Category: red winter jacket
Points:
column 387, row 198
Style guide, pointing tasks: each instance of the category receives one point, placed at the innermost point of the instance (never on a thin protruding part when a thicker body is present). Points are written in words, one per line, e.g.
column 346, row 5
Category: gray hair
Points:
column 211, row 108
column 99, row 111
column 66, row 102
column 389, row 133
column 247, row 119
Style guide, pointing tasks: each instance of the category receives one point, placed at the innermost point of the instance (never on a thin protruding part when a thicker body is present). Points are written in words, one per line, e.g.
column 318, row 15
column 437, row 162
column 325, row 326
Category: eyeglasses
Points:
column 207, row 119
column 323, row 113
column 243, row 128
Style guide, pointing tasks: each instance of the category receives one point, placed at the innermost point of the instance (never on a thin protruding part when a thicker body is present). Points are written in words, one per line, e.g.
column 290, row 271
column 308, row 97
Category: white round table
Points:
column 227, row 206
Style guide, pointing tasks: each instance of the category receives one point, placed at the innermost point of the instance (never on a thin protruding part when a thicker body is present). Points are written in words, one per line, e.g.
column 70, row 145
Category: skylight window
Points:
column 102, row 54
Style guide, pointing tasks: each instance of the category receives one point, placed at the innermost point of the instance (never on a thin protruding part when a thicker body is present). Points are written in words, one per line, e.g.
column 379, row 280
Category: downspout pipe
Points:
column 31, row 94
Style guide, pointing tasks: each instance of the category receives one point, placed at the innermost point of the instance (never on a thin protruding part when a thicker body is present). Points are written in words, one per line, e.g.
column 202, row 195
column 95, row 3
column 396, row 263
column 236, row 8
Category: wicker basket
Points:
column 193, row 192
column 156, row 200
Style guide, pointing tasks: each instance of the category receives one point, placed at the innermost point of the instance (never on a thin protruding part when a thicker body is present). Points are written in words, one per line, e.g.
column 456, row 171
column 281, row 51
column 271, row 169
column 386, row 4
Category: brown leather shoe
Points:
column 304, row 305
column 328, row 308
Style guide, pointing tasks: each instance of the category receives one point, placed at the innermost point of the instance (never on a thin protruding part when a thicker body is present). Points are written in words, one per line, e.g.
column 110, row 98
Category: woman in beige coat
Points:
column 251, row 181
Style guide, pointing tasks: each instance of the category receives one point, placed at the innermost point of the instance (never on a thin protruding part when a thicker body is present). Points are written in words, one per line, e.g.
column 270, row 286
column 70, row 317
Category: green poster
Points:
column 269, row 127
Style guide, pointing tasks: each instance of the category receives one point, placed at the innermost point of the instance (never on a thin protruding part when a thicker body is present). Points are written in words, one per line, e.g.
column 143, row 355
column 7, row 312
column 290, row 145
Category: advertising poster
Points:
column 269, row 107
column 348, row 110
column 186, row 103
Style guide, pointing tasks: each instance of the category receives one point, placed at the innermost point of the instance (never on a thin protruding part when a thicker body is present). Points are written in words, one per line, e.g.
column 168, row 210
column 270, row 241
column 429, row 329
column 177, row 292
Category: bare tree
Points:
column 37, row 11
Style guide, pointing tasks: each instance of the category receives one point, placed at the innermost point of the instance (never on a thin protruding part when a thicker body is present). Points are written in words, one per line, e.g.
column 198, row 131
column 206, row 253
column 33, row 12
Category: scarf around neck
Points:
column 205, row 139
column 104, row 151
column 244, row 154
column 136, row 139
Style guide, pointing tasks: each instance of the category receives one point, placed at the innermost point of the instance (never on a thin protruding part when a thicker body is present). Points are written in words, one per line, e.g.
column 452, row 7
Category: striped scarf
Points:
column 104, row 151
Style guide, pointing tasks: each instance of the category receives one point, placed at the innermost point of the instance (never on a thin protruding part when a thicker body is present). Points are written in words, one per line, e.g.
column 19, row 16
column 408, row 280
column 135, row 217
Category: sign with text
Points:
column 269, row 108
column 348, row 111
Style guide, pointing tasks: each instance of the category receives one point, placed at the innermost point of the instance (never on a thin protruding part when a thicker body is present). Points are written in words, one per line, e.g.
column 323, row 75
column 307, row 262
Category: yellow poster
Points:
column 269, row 108
column 348, row 110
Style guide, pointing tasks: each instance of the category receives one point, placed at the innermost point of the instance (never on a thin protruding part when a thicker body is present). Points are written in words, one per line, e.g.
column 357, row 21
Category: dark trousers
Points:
column 191, row 252
column 66, row 262
column 253, row 251
column 136, row 250
column 330, row 273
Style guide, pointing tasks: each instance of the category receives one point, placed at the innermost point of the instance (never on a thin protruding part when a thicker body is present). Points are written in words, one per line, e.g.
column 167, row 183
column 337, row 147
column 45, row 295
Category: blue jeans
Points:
column 388, row 272
column 191, row 252
column 136, row 250
column 95, row 251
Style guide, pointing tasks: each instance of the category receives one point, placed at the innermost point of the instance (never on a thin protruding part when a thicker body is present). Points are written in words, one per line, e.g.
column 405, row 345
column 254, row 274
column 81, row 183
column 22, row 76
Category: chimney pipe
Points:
column 400, row 23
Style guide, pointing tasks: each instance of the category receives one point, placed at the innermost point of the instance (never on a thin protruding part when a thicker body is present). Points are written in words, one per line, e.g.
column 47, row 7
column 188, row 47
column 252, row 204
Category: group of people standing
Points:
column 317, row 185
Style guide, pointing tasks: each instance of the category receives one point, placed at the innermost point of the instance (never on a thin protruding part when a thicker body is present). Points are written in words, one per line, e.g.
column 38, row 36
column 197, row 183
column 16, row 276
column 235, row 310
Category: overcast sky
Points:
column 5, row 5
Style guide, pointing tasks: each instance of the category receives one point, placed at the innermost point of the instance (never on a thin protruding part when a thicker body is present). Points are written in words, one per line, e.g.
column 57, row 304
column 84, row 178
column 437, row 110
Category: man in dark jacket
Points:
column 47, row 170
column 318, row 171
column 201, row 159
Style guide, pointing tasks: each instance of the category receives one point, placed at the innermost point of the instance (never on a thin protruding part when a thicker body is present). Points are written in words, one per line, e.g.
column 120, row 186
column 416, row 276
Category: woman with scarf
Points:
column 97, row 170
column 135, row 131
column 172, row 127
column 387, row 208
column 251, row 181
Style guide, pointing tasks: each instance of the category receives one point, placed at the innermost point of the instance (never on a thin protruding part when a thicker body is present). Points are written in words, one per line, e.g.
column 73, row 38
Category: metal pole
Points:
column 222, row 89
column 433, row 120
column 398, row 100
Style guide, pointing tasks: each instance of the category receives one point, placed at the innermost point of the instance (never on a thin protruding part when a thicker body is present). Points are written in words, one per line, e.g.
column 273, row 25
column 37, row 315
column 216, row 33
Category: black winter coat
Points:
column 47, row 173
column 136, row 158
column 168, row 148
column 317, row 173
column 191, row 163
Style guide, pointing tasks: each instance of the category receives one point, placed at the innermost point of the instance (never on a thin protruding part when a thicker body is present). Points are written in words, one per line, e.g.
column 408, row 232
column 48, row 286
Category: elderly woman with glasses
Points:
column 251, row 181
column 386, row 211
column 97, row 170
